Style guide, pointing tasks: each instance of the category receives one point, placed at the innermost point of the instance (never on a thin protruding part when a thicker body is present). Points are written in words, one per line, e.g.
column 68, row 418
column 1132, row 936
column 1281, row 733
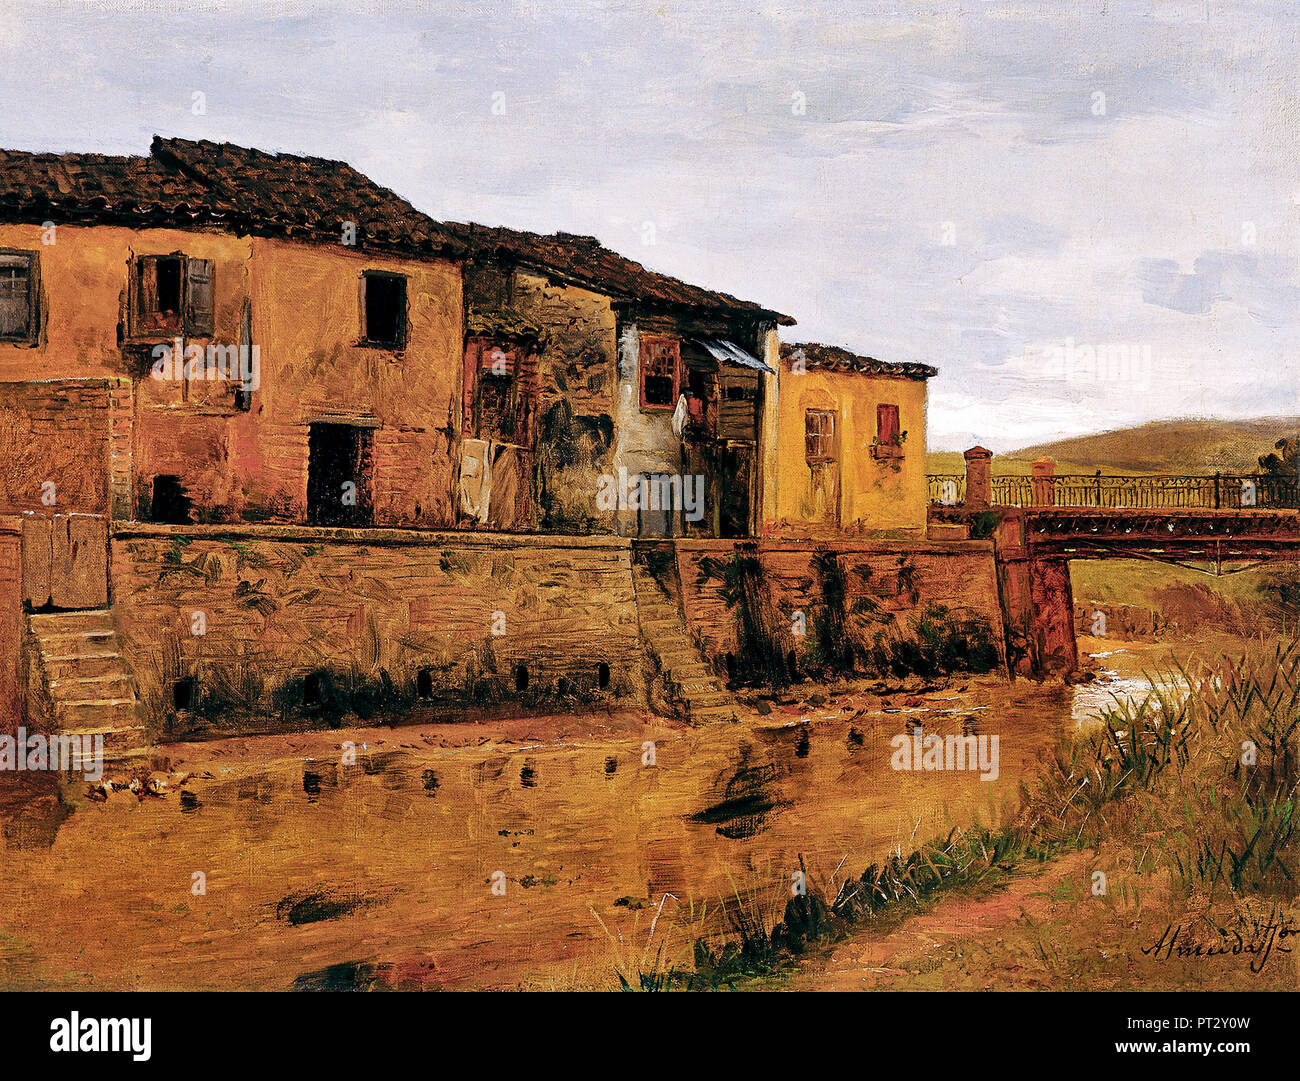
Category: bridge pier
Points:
column 1037, row 604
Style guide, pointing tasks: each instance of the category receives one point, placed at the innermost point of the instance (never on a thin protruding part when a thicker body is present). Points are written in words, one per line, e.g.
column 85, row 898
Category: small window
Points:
column 169, row 504
column 172, row 294
column 385, row 309
column 819, row 435
column 19, row 292
column 660, row 372
column 887, row 430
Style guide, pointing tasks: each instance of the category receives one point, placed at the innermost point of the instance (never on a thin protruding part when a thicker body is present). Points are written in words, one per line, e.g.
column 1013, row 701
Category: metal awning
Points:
column 730, row 353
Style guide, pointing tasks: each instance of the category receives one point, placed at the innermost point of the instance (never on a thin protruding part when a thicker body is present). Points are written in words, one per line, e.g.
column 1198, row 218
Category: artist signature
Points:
column 1258, row 943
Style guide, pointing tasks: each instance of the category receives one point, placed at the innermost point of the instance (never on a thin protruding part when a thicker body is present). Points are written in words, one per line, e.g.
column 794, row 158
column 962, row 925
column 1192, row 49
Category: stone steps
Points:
column 688, row 680
column 87, row 682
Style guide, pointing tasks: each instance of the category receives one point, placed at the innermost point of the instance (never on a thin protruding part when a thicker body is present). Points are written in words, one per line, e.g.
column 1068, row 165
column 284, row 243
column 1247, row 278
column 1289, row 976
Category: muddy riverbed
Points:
column 534, row 853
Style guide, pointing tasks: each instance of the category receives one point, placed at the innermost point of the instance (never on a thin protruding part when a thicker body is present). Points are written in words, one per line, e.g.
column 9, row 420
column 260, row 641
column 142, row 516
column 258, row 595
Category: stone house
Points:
column 407, row 372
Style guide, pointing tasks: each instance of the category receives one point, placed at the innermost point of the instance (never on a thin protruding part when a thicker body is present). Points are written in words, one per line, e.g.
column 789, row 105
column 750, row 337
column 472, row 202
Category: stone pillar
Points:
column 979, row 478
column 1044, row 482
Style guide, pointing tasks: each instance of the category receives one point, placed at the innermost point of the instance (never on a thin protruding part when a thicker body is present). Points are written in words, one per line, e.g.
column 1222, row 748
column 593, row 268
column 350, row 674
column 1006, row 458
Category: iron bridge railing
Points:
column 1218, row 491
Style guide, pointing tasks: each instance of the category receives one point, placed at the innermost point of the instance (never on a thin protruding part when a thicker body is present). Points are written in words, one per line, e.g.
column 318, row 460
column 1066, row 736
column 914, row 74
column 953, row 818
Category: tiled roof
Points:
column 304, row 198
column 99, row 188
column 188, row 184
column 583, row 260
column 832, row 358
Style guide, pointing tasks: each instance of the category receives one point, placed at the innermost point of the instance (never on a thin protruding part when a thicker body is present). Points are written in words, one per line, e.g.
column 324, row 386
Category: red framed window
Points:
column 661, row 366
column 887, row 430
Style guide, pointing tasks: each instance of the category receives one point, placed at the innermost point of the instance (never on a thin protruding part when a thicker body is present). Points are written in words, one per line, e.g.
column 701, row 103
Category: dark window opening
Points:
column 244, row 394
column 424, row 683
column 170, row 505
column 660, row 372
column 698, row 393
column 18, row 296
column 183, row 693
column 496, row 406
column 792, row 666
column 167, row 291
column 521, row 677
column 737, row 393
column 338, row 475
column 602, row 676
column 172, row 294
column 311, row 689
column 385, row 309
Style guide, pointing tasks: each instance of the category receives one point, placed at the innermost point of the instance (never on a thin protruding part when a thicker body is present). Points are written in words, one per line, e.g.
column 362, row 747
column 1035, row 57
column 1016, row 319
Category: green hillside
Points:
column 1167, row 446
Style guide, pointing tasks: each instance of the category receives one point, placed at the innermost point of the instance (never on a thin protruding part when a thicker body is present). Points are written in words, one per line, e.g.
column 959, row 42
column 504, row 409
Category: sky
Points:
column 1085, row 213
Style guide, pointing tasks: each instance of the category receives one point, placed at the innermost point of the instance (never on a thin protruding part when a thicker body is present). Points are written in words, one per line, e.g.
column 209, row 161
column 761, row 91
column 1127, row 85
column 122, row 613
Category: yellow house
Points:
column 846, row 445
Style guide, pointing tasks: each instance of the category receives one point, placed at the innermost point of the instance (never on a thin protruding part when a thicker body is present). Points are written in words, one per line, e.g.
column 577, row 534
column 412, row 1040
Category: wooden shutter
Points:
column 199, row 297
column 819, row 435
column 887, row 425
column 17, row 296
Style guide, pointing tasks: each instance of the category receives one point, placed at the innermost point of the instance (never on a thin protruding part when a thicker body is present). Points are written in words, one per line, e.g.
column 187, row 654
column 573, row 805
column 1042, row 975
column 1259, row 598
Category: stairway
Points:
column 86, row 680
column 689, row 683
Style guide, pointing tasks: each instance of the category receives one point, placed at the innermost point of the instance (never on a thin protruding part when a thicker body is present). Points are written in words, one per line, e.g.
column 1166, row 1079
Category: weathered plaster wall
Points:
column 280, row 602
column 903, row 577
column 306, row 305
column 878, row 497
column 578, row 377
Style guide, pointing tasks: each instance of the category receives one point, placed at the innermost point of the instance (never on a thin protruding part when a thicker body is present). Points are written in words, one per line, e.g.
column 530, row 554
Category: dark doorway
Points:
column 170, row 504
column 338, row 475
column 735, row 469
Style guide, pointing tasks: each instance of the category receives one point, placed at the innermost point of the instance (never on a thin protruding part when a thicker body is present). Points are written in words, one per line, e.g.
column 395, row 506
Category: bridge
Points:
column 1038, row 523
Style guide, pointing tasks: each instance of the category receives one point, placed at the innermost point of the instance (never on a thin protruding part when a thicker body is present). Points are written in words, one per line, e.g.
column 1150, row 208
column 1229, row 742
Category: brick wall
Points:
column 63, row 431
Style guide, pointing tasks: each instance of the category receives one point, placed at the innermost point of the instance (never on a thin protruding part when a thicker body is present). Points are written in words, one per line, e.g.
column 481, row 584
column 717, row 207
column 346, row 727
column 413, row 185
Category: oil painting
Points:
column 603, row 496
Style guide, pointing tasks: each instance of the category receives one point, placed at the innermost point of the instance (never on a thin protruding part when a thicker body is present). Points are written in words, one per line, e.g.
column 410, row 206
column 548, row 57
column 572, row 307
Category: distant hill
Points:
column 1165, row 446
